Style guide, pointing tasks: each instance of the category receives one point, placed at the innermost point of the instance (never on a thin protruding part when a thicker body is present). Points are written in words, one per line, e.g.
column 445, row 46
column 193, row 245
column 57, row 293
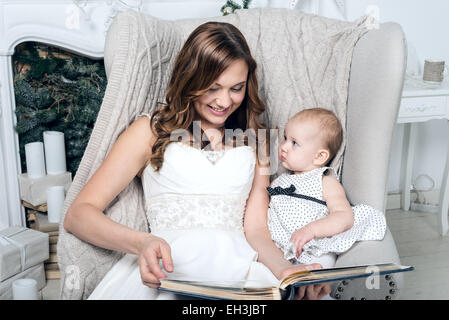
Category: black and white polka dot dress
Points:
column 288, row 212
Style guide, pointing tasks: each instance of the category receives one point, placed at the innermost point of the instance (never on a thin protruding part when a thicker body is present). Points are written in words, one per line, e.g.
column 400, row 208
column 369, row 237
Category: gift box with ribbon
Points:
column 20, row 249
column 36, row 272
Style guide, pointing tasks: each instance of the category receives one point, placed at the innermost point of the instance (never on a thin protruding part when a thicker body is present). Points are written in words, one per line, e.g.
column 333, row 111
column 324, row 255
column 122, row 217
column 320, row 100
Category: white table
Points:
column 420, row 105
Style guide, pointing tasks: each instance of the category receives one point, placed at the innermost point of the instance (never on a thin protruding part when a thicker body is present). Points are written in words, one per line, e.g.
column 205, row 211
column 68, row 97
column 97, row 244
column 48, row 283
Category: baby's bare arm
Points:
column 340, row 217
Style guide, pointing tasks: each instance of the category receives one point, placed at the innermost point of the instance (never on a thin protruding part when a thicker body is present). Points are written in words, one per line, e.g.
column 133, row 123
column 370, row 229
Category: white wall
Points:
column 425, row 25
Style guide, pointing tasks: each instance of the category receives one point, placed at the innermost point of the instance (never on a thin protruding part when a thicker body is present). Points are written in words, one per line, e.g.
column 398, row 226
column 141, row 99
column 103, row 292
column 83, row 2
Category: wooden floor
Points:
column 419, row 244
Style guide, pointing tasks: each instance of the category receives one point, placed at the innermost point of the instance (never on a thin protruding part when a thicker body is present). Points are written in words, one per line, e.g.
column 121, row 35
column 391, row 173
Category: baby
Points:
column 309, row 217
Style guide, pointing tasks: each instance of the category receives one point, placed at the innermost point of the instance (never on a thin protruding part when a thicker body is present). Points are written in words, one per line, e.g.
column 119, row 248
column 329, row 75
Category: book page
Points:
column 340, row 273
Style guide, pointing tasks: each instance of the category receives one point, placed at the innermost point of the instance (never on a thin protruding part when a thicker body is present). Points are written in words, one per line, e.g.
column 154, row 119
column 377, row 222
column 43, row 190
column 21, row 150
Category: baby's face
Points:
column 302, row 143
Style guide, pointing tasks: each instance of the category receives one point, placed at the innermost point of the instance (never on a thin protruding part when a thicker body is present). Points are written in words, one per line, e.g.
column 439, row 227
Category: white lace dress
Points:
column 196, row 202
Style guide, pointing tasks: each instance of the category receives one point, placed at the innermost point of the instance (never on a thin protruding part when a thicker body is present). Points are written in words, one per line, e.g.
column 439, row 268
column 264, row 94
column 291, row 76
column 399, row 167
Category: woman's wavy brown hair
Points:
column 208, row 51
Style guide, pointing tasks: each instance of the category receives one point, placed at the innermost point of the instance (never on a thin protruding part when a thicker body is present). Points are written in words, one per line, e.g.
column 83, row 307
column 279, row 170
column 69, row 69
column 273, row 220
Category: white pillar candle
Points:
column 24, row 289
column 55, row 152
column 35, row 160
column 55, row 202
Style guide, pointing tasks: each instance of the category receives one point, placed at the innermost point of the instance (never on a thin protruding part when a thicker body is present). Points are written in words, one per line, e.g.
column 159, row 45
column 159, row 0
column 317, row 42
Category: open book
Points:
column 285, row 289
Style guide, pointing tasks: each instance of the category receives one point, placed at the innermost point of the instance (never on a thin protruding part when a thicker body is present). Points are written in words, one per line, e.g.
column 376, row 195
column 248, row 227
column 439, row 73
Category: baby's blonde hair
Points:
column 331, row 129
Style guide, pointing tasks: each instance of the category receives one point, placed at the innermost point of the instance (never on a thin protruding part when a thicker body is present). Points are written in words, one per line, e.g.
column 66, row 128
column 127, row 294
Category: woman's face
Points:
column 223, row 98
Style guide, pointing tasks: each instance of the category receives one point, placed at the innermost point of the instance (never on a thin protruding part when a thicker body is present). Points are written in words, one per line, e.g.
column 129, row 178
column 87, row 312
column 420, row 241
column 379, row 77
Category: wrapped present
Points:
column 20, row 249
column 39, row 221
column 33, row 191
column 36, row 272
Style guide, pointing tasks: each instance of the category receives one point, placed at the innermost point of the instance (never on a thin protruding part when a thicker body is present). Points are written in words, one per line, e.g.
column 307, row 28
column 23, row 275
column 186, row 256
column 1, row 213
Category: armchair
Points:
column 375, row 85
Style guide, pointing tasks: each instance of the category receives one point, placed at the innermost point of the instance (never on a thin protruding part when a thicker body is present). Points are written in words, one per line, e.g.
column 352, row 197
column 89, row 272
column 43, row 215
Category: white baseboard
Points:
column 393, row 201
column 428, row 201
column 431, row 208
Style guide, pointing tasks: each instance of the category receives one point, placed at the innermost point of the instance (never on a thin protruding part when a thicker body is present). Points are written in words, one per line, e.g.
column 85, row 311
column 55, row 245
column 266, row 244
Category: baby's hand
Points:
column 300, row 237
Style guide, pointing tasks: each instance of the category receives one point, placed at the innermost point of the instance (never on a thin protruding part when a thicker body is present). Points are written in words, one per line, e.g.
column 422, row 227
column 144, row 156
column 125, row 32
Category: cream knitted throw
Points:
column 303, row 62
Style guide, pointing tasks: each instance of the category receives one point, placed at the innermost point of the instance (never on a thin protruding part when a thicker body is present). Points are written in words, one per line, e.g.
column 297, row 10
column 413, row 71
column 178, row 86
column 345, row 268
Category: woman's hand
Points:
column 311, row 292
column 151, row 251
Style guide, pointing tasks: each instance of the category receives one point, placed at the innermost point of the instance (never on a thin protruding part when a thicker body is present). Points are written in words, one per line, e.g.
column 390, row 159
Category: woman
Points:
column 196, row 198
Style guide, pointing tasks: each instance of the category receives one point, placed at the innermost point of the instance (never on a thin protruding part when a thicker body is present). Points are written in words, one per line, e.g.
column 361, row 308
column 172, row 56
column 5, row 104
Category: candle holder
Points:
column 35, row 160
column 434, row 71
column 54, row 152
